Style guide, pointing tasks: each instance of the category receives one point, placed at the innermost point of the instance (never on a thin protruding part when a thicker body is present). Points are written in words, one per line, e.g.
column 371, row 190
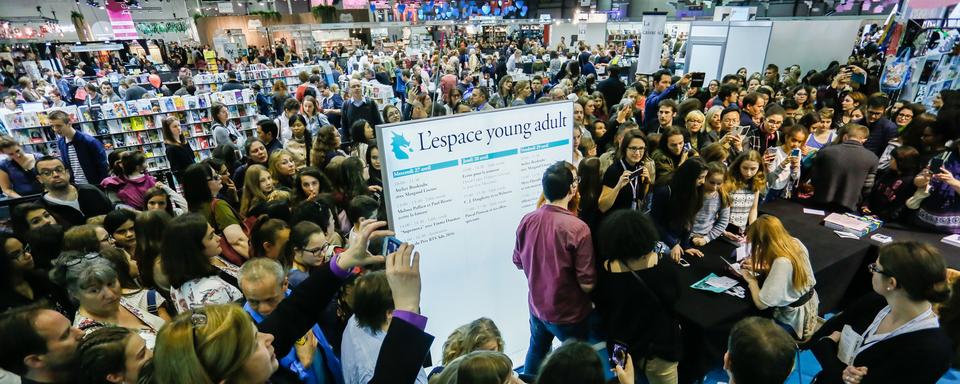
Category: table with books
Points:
column 707, row 317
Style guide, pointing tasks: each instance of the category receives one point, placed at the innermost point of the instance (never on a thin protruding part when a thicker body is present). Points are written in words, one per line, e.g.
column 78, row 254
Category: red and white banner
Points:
column 121, row 21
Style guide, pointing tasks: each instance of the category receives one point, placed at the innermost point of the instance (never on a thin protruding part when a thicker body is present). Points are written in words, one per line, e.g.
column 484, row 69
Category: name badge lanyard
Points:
column 872, row 329
column 634, row 181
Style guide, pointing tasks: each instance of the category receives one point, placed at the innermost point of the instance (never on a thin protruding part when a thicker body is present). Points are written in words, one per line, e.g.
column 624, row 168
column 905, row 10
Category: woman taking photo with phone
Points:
column 783, row 173
column 627, row 180
column 779, row 276
column 635, row 296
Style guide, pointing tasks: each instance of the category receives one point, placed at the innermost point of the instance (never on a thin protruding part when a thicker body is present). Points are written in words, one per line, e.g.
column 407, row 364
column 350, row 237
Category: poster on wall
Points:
column 456, row 187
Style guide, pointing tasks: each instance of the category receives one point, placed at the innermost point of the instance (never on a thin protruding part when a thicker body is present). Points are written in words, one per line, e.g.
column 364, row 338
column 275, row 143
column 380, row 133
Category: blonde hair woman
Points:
column 480, row 334
column 283, row 168
column 213, row 344
column 257, row 186
column 779, row 276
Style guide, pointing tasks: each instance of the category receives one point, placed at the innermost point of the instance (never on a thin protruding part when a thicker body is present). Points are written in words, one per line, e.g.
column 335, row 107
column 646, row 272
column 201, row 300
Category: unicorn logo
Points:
column 400, row 146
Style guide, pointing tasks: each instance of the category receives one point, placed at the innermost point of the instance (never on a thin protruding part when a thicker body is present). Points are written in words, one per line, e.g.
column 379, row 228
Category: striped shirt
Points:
column 78, row 176
column 711, row 220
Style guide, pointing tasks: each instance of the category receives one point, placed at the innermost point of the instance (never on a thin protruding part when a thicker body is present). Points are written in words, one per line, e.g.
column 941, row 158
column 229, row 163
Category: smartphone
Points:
column 618, row 354
column 696, row 79
column 742, row 130
column 795, row 152
column 390, row 245
column 687, row 147
column 858, row 78
column 935, row 164
column 684, row 262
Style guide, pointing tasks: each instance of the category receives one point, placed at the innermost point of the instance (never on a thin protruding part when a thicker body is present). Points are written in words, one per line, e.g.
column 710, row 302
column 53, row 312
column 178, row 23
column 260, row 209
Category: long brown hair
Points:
column 735, row 179
column 768, row 241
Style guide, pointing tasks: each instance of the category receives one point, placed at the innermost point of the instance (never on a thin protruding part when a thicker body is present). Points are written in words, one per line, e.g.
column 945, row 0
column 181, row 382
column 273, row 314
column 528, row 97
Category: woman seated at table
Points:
column 779, row 276
column 93, row 282
column 635, row 294
column 674, row 207
column 903, row 342
column 18, row 172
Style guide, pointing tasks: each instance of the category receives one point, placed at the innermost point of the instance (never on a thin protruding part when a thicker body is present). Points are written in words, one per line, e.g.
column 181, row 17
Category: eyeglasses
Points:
column 51, row 172
column 875, row 268
column 318, row 249
column 905, row 116
column 636, row 149
column 18, row 254
column 81, row 259
column 576, row 179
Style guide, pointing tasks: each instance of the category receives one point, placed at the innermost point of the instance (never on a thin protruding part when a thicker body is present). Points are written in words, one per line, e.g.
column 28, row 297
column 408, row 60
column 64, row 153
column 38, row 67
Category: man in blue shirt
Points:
column 312, row 361
column 662, row 89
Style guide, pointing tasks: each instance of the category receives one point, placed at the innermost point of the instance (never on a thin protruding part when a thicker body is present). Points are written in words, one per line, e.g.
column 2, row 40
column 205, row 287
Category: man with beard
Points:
column 40, row 345
column 70, row 204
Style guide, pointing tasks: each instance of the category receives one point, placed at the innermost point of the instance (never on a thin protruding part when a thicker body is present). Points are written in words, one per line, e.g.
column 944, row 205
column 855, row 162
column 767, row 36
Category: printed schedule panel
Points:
column 457, row 187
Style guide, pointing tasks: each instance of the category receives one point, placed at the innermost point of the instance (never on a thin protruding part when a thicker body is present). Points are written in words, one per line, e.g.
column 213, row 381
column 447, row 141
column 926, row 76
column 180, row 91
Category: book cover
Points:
column 133, row 108
column 178, row 103
column 136, row 123
column 167, row 105
column 155, row 105
column 144, row 106
column 120, row 109
column 203, row 101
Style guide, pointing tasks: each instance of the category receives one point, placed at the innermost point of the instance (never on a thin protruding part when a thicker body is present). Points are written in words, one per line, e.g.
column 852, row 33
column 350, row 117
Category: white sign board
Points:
column 457, row 187
column 225, row 7
column 651, row 42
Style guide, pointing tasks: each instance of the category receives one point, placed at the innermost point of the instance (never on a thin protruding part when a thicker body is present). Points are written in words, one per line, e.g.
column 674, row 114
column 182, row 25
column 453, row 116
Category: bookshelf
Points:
column 211, row 82
column 136, row 125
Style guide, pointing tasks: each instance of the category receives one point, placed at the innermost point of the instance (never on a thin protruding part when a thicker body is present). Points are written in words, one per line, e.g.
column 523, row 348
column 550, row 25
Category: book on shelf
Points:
column 133, row 108
column 120, row 109
column 144, row 106
column 178, row 103
column 155, row 105
column 136, row 123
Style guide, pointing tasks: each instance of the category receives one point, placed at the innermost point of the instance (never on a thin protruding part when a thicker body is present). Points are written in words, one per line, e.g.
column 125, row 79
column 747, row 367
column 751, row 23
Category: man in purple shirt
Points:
column 555, row 252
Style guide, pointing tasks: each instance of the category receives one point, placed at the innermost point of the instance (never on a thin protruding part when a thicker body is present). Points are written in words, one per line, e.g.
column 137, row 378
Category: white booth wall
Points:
column 596, row 33
column 812, row 44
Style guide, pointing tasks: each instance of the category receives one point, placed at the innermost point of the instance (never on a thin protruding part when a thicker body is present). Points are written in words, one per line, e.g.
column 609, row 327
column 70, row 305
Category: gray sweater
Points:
column 711, row 220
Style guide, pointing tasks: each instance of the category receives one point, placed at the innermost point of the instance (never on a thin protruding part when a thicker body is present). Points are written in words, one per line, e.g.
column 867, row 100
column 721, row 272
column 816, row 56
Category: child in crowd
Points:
column 744, row 184
column 712, row 218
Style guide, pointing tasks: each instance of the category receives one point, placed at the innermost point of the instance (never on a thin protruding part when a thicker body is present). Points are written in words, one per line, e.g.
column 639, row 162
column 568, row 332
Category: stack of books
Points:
column 953, row 240
column 850, row 223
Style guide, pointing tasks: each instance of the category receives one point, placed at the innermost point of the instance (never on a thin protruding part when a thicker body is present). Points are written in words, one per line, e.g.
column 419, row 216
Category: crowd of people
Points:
column 263, row 263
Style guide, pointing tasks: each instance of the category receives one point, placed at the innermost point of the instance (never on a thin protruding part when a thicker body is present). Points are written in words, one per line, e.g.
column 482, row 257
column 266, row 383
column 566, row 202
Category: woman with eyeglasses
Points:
column 627, row 180
column 21, row 283
column 805, row 97
column 896, row 337
column 309, row 247
column 94, row 283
